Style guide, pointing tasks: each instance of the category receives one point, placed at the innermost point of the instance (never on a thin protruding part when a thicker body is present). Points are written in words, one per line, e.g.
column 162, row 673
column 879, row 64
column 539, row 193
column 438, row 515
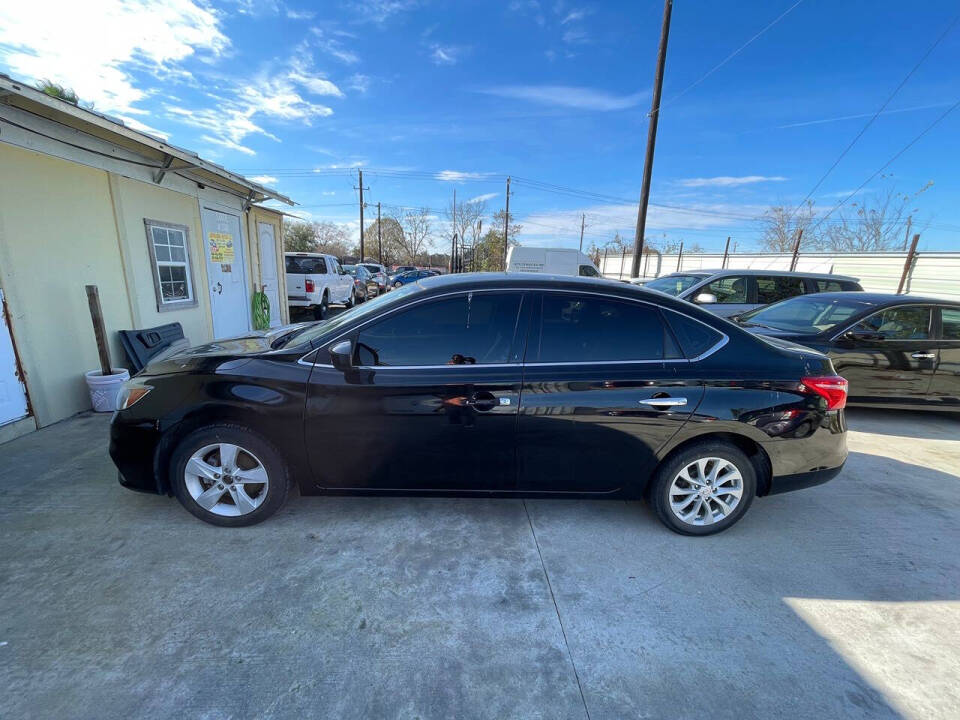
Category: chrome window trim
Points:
column 707, row 353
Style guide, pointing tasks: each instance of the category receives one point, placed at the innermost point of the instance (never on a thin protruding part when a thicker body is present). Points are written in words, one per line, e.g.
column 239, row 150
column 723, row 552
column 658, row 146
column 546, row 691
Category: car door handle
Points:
column 664, row 402
column 923, row 356
column 482, row 401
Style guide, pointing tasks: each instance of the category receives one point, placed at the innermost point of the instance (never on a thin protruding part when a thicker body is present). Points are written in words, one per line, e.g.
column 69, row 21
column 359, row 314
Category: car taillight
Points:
column 357, row 282
column 308, row 285
column 832, row 388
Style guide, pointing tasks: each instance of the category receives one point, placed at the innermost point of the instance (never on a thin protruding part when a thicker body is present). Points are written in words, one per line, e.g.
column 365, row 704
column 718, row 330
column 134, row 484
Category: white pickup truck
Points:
column 314, row 280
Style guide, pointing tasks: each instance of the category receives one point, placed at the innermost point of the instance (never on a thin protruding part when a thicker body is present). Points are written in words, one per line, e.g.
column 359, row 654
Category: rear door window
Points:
column 775, row 288
column 728, row 290
column 900, row 323
column 589, row 328
column 695, row 337
column 828, row 286
column 469, row 329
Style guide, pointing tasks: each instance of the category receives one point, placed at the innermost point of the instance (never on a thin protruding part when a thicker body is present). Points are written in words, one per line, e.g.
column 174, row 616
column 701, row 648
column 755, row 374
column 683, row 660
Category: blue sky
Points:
column 429, row 97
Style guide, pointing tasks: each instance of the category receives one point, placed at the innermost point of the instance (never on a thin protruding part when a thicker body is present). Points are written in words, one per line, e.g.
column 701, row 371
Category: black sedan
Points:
column 489, row 384
column 896, row 351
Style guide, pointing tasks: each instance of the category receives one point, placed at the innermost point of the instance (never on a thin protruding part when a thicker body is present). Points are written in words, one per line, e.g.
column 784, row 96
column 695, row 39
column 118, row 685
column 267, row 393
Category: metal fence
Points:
column 936, row 274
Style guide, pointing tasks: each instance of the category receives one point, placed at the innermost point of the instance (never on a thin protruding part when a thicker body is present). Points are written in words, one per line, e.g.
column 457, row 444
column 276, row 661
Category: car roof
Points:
column 760, row 272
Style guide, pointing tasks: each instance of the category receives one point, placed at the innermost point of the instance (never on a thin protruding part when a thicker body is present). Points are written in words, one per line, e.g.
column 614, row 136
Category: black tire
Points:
column 320, row 311
column 398, row 285
column 351, row 301
column 277, row 488
column 671, row 467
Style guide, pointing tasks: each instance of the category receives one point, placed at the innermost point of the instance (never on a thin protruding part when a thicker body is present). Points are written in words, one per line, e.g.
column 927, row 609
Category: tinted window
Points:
column 372, row 268
column 588, row 328
column 809, row 314
column 694, row 337
column 476, row 328
column 728, row 289
column 306, row 265
column 950, row 320
column 673, row 284
column 903, row 323
column 830, row 285
column 588, row 271
column 773, row 289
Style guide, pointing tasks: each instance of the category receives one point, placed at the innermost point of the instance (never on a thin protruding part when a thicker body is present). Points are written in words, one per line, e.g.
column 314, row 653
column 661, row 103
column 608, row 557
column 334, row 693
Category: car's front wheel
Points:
column 228, row 475
column 398, row 284
column 704, row 489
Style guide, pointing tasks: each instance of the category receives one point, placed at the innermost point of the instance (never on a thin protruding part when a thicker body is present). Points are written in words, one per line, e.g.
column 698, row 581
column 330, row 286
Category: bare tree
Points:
column 874, row 225
column 781, row 225
column 417, row 233
column 332, row 238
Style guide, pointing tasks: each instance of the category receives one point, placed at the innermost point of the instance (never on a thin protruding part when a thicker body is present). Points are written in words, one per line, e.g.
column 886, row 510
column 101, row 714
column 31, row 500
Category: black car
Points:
column 896, row 351
column 363, row 280
column 489, row 384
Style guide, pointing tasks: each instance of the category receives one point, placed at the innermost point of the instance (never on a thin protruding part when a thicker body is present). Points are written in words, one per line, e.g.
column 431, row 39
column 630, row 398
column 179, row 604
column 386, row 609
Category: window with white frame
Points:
column 170, row 255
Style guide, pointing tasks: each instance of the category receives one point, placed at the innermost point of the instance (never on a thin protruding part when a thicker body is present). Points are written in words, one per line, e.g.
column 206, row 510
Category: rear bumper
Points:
column 799, row 481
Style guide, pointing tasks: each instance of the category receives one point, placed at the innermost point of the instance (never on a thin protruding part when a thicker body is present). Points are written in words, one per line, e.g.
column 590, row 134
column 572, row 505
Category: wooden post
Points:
column 908, row 264
column 679, row 256
column 96, row 315
column 623, row 259
column 726, row 252
column 796, row 251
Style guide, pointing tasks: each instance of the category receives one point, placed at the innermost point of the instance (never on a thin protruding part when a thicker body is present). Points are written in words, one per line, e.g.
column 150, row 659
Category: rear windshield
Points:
column 807, row 314
column 372, row 268
column 673, row 284
column 306, row 265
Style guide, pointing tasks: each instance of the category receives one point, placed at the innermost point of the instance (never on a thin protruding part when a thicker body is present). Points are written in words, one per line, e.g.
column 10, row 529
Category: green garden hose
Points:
column 261, row 310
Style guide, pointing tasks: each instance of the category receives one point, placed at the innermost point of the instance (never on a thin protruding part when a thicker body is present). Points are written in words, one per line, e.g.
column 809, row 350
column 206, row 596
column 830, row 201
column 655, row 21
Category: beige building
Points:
column 165, row 236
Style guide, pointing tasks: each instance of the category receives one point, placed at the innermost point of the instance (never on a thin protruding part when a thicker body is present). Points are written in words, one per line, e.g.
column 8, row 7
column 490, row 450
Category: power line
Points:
column 878, row 112
column 729, row 57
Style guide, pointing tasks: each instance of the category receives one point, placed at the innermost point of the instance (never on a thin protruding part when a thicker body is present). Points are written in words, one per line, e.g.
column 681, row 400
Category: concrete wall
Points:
column 934, row 274
column 57, row 234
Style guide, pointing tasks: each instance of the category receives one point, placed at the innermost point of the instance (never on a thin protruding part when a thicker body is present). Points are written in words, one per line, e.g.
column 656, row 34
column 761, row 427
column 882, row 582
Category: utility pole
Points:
column 453, row 215
column 583, row 220
column 908, row 263
column 453, row 253
column 651, row 140
column 506, row 227
column 726, row 251
column 907, row 236
column 361, row 189
column 379, row 237
column 680, row 256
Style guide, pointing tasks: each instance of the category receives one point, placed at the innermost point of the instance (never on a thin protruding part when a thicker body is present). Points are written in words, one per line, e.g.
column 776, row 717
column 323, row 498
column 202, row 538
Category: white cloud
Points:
column 359, row 82
column 727, row 181
column 457, row 176
column 576, row 36
column 482, row 198
column 568, row 96
column 93, row 46
column 229, row 144
column 334, row 47
column 300, row 14
column 447, row 54
column 263, row 179
column 574, row 15
column 379, row 11
column 135, row 124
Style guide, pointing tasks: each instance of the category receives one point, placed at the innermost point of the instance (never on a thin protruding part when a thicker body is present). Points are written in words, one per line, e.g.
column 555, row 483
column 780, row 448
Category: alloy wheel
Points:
column 226, row 479
column 706, row 491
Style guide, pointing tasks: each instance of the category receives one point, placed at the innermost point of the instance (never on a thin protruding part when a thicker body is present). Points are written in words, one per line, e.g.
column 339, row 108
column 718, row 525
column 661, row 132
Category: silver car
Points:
column 731, row 292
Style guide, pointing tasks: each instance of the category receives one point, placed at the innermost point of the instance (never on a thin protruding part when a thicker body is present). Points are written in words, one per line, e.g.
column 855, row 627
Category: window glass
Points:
column 950, row 320
column 728, row 289
column 306, row 265
column 829, row 286
column 673, row 284
column 588, row 271
column 584, row 328
column 171, row 265
column 806, row 314
column 773, row 289
column 902, row 323
column 470, row 329
column 694, row 337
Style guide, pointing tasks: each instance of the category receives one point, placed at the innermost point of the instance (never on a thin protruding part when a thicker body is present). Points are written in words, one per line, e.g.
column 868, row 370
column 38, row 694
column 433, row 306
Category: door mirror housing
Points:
column 705, row 298
column 341, row 355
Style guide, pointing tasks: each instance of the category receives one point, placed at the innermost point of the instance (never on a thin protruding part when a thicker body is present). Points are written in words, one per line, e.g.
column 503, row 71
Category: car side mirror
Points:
column 705, row 299
column 341, row 355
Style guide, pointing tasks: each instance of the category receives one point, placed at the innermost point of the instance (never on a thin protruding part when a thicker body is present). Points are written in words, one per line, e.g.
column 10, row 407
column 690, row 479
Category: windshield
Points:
column 380, row 303
column 674, row 284
column 372, row 268
column 806, row 315
column 350, row 269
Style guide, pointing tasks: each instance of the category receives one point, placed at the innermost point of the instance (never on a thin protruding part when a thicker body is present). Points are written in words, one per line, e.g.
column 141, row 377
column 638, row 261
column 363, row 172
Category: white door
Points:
column 268, row 270
column 226, row 273
column 13, row 397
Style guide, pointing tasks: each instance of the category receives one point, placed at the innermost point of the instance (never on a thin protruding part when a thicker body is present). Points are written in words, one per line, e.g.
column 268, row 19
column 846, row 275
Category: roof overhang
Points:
column 169, row 158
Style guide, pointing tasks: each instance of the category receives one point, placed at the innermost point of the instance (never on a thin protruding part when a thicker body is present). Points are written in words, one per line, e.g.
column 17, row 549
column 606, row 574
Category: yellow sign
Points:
column 221, row 247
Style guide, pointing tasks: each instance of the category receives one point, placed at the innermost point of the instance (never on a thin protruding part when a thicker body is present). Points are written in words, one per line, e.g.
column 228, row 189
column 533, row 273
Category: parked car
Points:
column 401, row 279
column 552, row 261
column 365, row 285
column 896, row 351
column 481, row 384
column 731, row 292
column 404, row 268
column 314, row 280
column 380, row 274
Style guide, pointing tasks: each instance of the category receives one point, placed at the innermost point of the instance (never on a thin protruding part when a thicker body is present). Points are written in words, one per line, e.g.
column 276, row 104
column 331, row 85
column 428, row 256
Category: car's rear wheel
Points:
column 228, row 475
column 320, row 311
column 352, row 299
column 398, row 284
column 704, row 489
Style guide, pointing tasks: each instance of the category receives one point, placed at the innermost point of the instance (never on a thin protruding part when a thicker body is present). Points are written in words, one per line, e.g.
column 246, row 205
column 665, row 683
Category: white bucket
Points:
column 104, row 389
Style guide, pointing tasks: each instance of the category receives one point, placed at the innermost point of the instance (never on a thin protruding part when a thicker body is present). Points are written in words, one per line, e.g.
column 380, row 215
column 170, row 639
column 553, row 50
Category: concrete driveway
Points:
column 838, row 601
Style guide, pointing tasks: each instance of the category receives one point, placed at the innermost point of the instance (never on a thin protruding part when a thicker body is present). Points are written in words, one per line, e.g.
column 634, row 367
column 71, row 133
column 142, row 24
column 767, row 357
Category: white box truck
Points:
column 550, row 261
